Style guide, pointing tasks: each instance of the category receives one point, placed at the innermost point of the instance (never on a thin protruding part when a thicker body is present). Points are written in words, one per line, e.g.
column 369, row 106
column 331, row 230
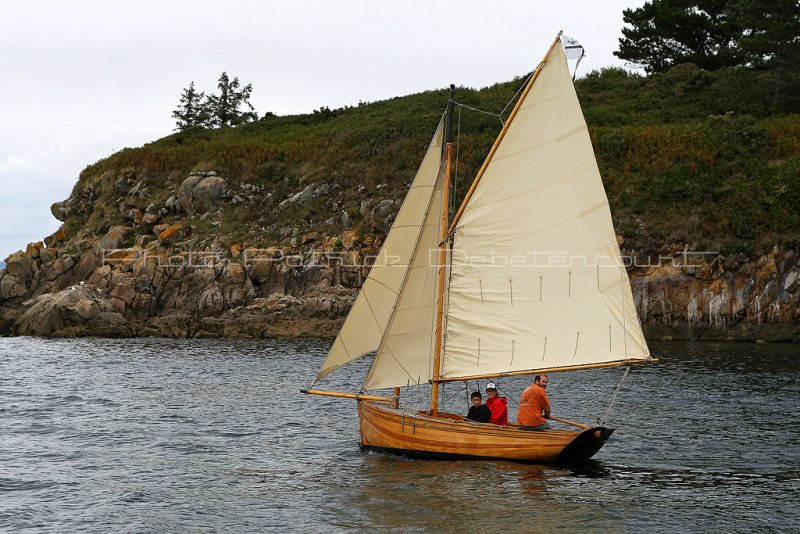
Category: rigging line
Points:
column 614, row 396
column 459, row 104
column 507, row 396
column 372, row 311
column 452, row 396
column 624, row 321
column 386, row 286
column 445, row 306
column 446, row 311
column 416, row 399
column 387, row 349
column 513, row 99
column 575, row 72
column 521, row 87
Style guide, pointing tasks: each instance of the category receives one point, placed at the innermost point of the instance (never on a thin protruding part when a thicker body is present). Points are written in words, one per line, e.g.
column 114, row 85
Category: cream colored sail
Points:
column 405, row 355
column 365, row 324
column 536, row 280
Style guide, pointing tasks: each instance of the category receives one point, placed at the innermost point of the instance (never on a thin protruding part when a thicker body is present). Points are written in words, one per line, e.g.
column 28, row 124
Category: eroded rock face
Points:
column 200, row 194
column 61, row 210
column 184, row 193
column 75, row 311
column 114, row 238
column 749, row 300
column 11, row 288
column 255, row 293
column 209, row 194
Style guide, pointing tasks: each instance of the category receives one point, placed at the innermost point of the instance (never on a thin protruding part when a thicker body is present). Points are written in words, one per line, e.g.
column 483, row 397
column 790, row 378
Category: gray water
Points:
column 152, row 435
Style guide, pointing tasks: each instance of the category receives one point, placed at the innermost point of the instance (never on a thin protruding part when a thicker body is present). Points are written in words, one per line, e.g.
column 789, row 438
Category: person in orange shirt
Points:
column 497, row 405
column 534, row 406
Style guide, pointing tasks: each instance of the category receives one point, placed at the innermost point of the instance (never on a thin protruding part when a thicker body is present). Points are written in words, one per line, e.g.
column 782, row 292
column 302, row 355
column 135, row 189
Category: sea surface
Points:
column 157, row 435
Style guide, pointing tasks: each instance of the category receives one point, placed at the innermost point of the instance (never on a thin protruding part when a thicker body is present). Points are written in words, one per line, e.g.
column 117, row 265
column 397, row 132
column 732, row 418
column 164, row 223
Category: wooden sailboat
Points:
column 526, row 278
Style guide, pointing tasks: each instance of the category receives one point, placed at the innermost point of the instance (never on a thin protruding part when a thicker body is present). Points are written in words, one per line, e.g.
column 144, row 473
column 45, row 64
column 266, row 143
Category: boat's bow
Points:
column 585, row 445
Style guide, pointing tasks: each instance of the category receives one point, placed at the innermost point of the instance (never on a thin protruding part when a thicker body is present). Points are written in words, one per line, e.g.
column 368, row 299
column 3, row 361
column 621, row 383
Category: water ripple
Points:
column 153, row 435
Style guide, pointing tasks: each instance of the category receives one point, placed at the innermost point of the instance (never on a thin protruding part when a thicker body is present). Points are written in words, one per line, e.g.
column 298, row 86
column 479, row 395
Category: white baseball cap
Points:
column 491, row 385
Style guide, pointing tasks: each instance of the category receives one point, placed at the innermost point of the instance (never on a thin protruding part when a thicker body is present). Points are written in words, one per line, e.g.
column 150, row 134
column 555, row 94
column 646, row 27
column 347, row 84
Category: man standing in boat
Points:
column 497, row 405
column 534, row 406
column 478, row 412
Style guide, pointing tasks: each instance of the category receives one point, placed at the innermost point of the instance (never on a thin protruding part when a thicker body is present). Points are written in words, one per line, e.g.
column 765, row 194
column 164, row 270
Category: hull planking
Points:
column 450, row 436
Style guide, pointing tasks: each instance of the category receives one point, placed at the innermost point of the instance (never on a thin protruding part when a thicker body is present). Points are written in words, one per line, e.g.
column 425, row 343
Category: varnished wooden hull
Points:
column 451, row 436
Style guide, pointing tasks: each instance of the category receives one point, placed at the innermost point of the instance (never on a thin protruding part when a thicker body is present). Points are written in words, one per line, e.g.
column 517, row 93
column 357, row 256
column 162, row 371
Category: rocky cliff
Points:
column 155, row 275
column 682, row 294
column 154, row 278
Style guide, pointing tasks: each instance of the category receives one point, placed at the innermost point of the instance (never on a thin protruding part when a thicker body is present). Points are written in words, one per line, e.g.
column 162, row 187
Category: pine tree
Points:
column 223, row 109
column 712, row 34
column 192, row 110
column 663, row 33
column 770, row 32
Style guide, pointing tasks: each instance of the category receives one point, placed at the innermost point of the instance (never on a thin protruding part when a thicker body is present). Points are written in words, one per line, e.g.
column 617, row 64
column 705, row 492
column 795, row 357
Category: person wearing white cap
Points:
column 497, row 405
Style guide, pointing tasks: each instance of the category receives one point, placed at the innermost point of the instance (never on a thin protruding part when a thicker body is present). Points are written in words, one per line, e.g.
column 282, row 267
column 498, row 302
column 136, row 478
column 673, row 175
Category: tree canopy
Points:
column 224, row 107
column 192, row 109
column 215, row 110
column 712, row 34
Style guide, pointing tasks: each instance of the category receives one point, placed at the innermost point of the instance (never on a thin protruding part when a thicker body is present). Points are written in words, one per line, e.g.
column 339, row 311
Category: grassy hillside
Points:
column 709, row 159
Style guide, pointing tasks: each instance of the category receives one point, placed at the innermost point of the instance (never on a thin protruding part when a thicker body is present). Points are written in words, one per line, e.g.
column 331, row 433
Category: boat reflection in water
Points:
column 393, row 493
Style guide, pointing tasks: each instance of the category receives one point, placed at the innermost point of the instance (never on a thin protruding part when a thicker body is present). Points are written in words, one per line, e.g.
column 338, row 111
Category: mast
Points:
column 437, row 359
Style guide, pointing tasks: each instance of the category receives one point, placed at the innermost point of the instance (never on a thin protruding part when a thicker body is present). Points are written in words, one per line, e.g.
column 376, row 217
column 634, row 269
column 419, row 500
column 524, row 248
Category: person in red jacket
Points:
column 497, row 405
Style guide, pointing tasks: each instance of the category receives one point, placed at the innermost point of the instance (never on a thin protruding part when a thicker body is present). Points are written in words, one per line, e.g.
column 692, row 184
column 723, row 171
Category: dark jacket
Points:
column 480, row 414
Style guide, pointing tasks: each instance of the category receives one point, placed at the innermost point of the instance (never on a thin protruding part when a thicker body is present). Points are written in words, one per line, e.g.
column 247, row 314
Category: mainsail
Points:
column 368, row 318
column 536, row 277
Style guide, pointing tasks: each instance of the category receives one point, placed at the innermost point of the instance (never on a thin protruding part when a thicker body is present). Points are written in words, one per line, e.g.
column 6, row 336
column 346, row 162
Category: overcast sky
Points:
column 82, row 79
